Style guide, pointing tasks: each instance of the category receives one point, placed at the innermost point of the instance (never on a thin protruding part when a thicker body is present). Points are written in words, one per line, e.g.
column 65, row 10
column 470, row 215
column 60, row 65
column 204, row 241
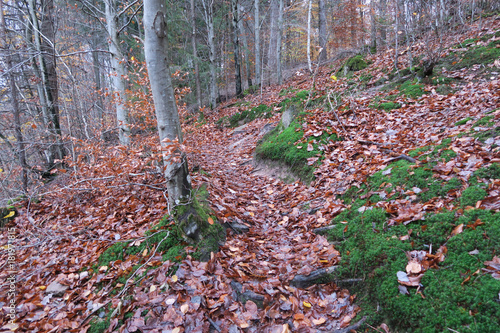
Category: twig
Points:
column 349, row 328
column 401, row 157
column 217, row 328
column 335, row 113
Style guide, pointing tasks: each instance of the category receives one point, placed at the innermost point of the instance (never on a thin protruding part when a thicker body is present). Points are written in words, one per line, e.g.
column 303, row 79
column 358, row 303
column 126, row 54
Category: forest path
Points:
column 279, row 245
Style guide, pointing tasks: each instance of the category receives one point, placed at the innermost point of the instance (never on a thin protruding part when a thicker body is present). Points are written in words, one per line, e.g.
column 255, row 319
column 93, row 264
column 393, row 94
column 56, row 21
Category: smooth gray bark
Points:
column 208, row 15
column 245, row 47
column 273, row 36
column 119, row 72
column 323, row 35
column 195, row 56
column 258, row 69
column 236, row 47
column 278, row 42
column 169, row 129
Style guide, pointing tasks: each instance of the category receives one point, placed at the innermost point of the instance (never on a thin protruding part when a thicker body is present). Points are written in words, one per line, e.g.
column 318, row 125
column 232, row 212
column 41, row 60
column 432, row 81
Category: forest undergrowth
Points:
column 397, row 213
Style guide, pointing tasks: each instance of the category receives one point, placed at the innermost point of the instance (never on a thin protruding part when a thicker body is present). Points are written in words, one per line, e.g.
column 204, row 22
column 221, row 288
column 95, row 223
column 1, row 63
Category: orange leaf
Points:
column 458, row 229
column 210, row 220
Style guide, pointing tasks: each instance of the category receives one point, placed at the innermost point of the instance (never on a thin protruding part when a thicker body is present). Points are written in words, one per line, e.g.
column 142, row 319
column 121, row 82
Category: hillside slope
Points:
column 397, row 216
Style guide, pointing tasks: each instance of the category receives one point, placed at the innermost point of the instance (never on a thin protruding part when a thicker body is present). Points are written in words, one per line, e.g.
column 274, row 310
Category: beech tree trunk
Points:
column 273, row 31
column 309, row 8
column 119, row 72
column 236, row 47
column 208, row 14
column 278, row 42
column 169, row 128
column 245, row 47
column 195, row 57
column 323, row 35
column 258, row 72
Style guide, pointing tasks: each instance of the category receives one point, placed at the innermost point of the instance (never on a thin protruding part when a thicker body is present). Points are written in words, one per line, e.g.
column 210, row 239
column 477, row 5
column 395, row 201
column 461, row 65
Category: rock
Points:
column 289, row 115
column 238, row 228
column 247, row 295
column 240, row 129
column 56, row 289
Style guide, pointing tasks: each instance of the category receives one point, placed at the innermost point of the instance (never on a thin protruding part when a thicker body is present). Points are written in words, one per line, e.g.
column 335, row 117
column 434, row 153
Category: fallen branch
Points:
column 350, row 328
column 318, row 276
column 401, row 157
column 322, row 230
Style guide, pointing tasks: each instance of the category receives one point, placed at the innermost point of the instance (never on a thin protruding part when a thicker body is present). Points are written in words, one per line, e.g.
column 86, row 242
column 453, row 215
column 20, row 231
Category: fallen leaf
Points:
column 210, row 220
column 457, row 230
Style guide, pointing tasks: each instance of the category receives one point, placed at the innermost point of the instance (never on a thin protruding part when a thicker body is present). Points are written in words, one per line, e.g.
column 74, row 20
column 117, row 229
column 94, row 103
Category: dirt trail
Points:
column 279, row 245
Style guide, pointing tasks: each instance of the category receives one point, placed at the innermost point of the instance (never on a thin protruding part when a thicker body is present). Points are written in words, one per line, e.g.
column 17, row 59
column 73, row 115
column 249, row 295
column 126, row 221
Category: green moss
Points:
column 463, row 121
column 441, row 80
column 490, row 133
column 373, row 251
column 475, row 55
column 99, row 326
column 246, row 116
column 490, row 172
column 298, row 99
column 412, row 89
column 356, row 63
column 280, row 146
column 388, row 106
column 485, row 122
column 213, row 237
column 471, row 195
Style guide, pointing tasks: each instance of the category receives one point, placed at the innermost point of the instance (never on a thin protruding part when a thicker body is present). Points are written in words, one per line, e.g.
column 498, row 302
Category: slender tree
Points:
column 236, row 47
column 169, row 129
column 258, row 69
column 119, row 70
column 208, row 16
column 195, row 55
column 44, row 40
column 323, row 35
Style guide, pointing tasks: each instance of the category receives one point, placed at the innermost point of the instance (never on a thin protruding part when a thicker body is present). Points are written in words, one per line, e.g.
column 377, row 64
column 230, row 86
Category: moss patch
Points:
column 412, row 89
column 246, row 116
column 286, row 147
column 387, row 106
column 456, row 296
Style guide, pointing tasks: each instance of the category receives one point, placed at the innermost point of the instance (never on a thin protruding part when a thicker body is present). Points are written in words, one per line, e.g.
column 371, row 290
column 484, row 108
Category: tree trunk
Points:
column 169, row 129
column 273, row 31
column 247, row 50
column 195, row 57
column 258, row 72
column 47, row 64
column 278, row 42
column 383, row 23
column 323, row 35
column 309, row 8
column 236, row 47
column 208, row 13
column 119, row 72
column 373, row 28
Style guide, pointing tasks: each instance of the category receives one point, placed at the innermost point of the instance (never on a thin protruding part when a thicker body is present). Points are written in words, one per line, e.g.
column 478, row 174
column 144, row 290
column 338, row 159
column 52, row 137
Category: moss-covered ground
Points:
column 286, row 146
column 457, row 295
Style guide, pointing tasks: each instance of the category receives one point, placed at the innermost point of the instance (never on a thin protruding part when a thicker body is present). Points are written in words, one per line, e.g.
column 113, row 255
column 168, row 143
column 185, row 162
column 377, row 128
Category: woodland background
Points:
column 73, row 72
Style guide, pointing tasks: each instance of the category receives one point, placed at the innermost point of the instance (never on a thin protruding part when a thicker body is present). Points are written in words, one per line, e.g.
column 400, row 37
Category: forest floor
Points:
column 404, row 173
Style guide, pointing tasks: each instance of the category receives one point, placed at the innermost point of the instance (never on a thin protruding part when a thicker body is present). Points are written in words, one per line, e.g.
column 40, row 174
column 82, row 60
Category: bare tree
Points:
column 236, row 47
column 169, row 129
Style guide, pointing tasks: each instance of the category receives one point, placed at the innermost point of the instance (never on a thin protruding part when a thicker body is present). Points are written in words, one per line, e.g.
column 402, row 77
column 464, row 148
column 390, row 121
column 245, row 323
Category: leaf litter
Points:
column 246, row 285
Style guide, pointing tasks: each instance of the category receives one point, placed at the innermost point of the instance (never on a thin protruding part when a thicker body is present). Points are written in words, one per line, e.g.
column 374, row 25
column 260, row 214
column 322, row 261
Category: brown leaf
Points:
column 457, row 230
